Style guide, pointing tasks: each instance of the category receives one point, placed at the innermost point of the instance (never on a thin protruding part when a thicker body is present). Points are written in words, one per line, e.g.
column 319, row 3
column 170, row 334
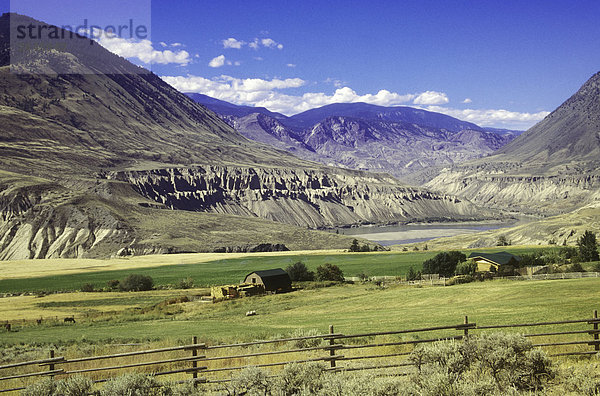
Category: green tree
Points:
column 137, row 282
column 466, row 268
column 443, row 263
column 299, row 273
column 329, row 272
column 412, row 274
column 588, row 247
column 355, row 247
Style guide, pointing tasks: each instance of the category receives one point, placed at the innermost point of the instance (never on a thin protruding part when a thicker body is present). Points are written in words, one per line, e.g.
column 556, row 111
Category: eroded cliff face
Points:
column 307, row 198
column 547, row 194
column 34, row 225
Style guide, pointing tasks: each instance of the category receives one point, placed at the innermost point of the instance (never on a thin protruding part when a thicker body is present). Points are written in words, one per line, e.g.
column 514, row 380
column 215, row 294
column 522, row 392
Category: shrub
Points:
column 443, row 263
column 136, row 282
column 251, row 381
column 74, row 386
column 186, row 283
column 132, row 385
column 575, row 267
column 584, row 380
column 502, row 241
column 301, row 378
column 113, row 284
column 361, row 384
column 299, row 273
column 45, row 387
column 489, row 363
column 329, row 272
column 87, row 288
column 306, row 343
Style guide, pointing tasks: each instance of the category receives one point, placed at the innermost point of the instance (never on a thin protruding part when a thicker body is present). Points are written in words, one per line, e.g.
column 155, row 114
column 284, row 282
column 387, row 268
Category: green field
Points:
column 231, row 271
column 351, row 308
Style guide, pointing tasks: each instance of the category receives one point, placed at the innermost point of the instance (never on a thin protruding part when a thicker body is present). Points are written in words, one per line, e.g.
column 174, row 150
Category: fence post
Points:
column 51, row 365
column 466, row 329
column 194, row 362
column 596, row 335
column 331, row 351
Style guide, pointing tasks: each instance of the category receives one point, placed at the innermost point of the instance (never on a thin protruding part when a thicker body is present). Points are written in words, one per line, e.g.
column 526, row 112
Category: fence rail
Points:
column 351, row 350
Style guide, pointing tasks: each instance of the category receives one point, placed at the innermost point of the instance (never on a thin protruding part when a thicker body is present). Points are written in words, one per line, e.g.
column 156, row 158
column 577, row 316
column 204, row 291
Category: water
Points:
column 420, row 232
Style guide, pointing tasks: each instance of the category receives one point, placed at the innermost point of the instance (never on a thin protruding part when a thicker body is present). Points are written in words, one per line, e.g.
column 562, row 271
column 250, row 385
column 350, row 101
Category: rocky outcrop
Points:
column 30, row 230
column 307, row 198
column 545, row 194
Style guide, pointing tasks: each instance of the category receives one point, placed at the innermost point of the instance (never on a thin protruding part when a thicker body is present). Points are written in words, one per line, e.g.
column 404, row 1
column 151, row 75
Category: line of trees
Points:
column 298, row 272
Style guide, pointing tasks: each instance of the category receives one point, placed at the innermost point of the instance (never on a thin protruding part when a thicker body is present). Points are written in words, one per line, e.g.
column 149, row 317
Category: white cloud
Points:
column 233, row 43
column 291, row 65
column 269, row 43
column 431, row 98
column 492, row 117
column 266, row 93
column 467, row 100
column 176, row 45
column 163, row 44
column 217, row 62
column 140, row 49
column 258, row 58
column 266, row 42
column 335, row 82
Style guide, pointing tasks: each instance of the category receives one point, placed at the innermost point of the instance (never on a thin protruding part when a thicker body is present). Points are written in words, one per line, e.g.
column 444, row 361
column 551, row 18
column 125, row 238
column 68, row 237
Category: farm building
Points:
column 227, row 292
column 274, row 280
column 491, row 262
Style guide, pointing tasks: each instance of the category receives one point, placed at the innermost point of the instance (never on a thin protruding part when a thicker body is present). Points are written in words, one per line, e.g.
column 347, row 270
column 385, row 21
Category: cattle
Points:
column 69, row 319
column 7, row 326
column 38, row 321
column 250, row 313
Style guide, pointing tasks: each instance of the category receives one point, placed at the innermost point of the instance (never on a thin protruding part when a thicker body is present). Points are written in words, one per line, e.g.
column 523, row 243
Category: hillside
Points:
column 92, row 163
column 552, row 168
column 561, row 229
column 402, row 141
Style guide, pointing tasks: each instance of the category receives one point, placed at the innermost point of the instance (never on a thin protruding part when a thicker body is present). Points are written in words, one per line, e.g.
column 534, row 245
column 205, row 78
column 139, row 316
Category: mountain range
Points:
column 405, row 142
column 108, row 160
column 552, row 168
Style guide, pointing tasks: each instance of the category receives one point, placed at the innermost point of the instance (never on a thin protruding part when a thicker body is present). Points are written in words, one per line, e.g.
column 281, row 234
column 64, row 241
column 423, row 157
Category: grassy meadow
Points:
column 111, row 322
column 351, row 308
column 206, row 269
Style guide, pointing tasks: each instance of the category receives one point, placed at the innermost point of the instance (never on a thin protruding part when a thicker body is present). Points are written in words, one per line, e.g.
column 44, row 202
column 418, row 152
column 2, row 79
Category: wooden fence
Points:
column 341, row 352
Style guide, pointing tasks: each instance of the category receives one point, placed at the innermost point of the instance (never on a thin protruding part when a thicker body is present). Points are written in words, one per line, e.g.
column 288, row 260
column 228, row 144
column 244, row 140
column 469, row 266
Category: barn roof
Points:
column 500, row 258
column 269, row 273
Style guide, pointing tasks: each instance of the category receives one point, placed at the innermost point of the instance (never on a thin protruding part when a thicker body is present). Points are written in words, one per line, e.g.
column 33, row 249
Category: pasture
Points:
column 207, row 269
column 351, row 308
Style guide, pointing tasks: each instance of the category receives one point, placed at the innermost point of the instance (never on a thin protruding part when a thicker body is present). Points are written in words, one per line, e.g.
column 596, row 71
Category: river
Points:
column 420, row 232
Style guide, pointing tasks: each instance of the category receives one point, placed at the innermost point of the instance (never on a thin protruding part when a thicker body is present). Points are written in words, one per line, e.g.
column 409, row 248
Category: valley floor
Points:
column 351, row 308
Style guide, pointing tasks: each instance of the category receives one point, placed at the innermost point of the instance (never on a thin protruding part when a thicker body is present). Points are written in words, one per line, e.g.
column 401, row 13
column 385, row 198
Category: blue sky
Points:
column 497, row 63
